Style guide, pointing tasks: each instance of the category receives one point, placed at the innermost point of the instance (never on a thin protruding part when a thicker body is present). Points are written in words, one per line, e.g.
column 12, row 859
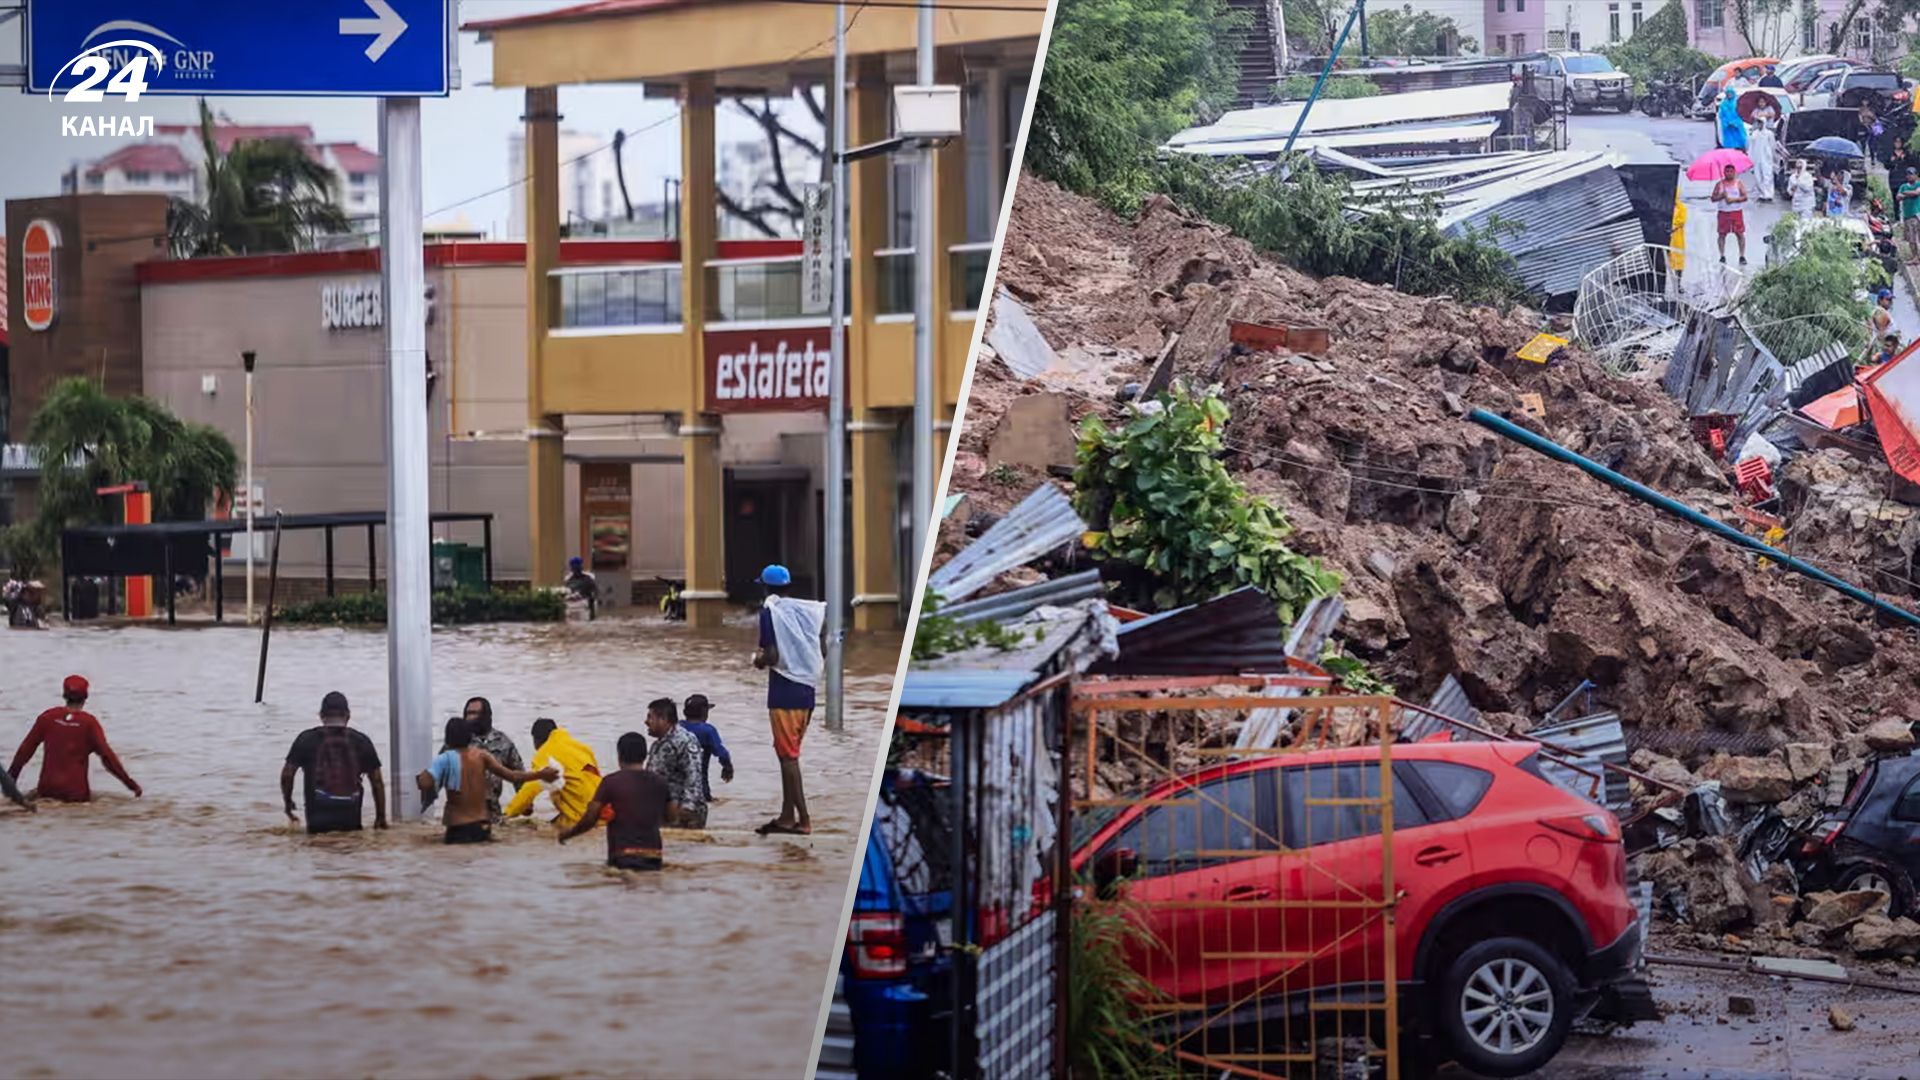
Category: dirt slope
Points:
column 1462, row 552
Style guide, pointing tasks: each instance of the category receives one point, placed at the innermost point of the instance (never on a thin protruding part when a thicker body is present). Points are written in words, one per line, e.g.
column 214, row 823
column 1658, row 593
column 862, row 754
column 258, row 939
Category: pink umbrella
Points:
column 1709, row 165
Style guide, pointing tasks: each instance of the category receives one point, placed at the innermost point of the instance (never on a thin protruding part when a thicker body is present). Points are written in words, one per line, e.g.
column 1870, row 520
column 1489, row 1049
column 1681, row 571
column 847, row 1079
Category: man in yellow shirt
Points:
column 580, row 773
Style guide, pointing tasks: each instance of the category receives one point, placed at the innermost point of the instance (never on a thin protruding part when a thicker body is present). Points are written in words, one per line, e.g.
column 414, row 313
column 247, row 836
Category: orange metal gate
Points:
column 1262, row 877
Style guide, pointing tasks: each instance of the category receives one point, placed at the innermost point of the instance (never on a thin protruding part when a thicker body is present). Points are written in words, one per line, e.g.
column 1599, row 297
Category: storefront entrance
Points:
column 767, row 509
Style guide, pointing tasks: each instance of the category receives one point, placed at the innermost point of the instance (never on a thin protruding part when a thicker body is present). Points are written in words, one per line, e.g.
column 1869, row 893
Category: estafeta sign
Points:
column 773, row 370
column 39, row 252
column 350, row 305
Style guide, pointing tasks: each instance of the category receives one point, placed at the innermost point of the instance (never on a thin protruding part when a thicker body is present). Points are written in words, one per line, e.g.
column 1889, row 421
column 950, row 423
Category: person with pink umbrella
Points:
column 1730, row 197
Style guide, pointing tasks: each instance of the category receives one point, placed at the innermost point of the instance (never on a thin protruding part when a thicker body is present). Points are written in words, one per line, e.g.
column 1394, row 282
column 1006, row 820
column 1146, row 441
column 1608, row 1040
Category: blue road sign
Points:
column 82, row 49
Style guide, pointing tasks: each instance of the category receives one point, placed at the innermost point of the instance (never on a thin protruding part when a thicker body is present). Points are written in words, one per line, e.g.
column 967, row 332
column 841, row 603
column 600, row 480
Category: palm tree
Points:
column 87, row 440
column 262, row 196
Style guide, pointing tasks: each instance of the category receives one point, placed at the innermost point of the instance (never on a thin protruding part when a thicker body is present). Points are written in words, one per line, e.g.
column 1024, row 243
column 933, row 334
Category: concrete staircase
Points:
column 1257, row 74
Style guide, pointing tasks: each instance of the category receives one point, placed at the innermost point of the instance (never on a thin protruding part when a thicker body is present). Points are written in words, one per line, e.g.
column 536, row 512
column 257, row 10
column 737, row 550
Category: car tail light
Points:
column 877, row 943
column 1823, row 838
column 1599, row 828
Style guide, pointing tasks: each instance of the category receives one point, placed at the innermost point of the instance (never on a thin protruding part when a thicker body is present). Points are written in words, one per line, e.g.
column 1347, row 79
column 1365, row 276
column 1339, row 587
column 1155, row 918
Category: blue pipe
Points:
column 1684, row 512
column 1326, row 70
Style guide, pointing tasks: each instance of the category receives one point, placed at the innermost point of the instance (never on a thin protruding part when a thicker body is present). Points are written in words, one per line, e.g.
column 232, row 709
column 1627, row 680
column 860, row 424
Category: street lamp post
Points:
column 247, row 358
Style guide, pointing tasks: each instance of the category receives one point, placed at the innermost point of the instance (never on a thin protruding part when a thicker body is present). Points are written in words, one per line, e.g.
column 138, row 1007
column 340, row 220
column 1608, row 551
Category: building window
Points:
column 1863, row 35
column 1519, row 5
column 1499, row 5
column 1613, row 22
column 176, row 178
column 1809, row 25
column 1519, row 44
column 1573, row 40
column 359, row 177
column 1499, row 44
column 1637, row 15
column 1711, row 15
column 139, row 176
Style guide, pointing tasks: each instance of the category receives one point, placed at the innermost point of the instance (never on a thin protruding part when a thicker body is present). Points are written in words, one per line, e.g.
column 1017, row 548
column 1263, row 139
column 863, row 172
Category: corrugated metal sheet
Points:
column 1305, row 641
column 1557, row 268
column 1044, row 520
column 1397, row 136
column 1012, row 605
column 1449, row 700
column 1592, row 740
column 1277, row 120
column 1228, row 635
column 1545, row 204
column 950, row 688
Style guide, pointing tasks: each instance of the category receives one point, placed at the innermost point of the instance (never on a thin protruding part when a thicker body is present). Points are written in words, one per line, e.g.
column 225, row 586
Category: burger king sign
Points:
column 39, row 301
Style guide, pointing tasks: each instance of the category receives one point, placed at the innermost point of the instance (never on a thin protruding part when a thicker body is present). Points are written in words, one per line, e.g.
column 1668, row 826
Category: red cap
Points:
column 74, row 685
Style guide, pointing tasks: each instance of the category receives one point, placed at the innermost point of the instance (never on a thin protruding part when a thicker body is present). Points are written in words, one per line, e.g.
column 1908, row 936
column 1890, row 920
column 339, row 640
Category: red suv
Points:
column 1513, row 918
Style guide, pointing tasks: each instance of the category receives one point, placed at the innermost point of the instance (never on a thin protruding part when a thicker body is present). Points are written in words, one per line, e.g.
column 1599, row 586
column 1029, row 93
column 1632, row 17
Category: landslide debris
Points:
column 1461, row 551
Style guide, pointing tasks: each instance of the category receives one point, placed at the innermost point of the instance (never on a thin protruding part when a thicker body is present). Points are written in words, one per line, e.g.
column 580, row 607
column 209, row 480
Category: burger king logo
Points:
column 39, row 300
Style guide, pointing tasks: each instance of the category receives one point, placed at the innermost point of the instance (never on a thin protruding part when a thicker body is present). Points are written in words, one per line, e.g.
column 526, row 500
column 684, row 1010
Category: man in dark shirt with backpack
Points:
column 334, row 757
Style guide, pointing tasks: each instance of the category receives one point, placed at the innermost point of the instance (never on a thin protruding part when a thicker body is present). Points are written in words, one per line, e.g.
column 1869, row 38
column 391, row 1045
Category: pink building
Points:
column 1517, row 27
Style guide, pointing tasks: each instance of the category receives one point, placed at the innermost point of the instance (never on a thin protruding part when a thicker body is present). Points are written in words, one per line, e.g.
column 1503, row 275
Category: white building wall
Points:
column 589, row 182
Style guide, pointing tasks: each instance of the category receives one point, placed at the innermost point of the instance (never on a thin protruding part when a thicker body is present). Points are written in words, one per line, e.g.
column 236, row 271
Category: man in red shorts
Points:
column 70, row 735
column 1730, row 195
column 792, row 673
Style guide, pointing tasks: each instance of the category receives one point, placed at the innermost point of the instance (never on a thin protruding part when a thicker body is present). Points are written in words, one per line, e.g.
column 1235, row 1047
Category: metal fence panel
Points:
column 1014, row 1018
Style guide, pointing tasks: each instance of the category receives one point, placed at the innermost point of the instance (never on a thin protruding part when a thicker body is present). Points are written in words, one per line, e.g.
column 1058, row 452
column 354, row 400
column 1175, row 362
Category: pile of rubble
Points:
column 1460, row 555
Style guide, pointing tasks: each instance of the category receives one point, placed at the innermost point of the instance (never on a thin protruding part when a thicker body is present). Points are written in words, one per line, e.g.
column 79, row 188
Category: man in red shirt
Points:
column 71, row 736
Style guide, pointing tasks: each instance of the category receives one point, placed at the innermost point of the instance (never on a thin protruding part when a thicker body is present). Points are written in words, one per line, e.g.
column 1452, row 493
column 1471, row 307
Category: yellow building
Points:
column 727, row 336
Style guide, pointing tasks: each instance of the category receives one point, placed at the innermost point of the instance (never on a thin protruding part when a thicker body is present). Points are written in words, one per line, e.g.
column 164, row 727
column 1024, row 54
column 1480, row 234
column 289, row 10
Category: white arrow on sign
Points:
column 386, row 26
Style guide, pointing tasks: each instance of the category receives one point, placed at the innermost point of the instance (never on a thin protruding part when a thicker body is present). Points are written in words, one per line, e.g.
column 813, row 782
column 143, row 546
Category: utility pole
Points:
column 926, row 229
column 836, row 538
column 403, row 278
column 247, row 359
column 1364, row 53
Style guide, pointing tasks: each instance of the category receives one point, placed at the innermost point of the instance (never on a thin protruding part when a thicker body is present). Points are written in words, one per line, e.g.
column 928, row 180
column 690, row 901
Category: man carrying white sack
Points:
column 790, row 632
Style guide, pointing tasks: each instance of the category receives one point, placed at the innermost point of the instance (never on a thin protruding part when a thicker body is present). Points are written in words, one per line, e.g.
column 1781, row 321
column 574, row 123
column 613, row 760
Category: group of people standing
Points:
column 663, row 778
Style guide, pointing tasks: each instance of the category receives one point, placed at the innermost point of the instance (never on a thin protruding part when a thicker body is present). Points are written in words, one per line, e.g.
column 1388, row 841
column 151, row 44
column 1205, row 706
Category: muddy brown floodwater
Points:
column 193, row 934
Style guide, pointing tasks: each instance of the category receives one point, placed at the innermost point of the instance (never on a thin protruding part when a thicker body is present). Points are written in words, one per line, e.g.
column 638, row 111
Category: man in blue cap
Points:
column 582, row 584
column 790, row 651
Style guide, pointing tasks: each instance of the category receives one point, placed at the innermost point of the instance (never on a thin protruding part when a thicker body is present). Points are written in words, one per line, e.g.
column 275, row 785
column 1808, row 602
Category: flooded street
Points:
column 192, row 933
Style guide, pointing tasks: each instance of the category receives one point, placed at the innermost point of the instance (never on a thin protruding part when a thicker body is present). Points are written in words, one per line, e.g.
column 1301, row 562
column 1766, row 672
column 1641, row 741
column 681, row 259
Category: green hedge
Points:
column 452, row 607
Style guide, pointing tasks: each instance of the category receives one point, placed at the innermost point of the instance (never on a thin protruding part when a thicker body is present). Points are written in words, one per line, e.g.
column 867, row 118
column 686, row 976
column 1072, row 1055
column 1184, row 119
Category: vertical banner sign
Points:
column 606, row 512
column 40, row 301
column 816, row 269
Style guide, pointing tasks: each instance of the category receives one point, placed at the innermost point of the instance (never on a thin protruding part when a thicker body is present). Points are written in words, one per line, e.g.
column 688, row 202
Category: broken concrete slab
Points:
column 1036, row 432
column 1890, row 736
column 1877, row 935
column 1806, row 761
column 1834, row 911
column 1755, row 780
column 1017, row 340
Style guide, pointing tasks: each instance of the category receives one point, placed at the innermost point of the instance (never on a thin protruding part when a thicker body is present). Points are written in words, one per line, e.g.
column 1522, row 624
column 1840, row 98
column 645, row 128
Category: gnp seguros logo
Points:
column 117, row 59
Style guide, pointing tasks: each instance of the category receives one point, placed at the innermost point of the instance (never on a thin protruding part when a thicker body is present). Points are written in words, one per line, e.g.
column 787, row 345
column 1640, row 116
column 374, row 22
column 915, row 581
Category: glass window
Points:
column 1908, row 808
column 1520, row 43
column 1863, row 34
column 1203, row 825
column 1458, row 787
column 138, row 176
column 1589, row 65
column 1573, row 40
column 1519, row 5
column 981, row 153
column 1710, row 14
column 1637, row 16
column 1306, row 824
column 1500, row 44
column 1499, row 5
column 901, row 191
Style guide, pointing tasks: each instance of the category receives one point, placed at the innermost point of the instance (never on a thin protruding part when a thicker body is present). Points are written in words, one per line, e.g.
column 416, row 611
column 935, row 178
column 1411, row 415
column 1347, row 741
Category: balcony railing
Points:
column 967, row 272
column 758, row 290
column 618, row 297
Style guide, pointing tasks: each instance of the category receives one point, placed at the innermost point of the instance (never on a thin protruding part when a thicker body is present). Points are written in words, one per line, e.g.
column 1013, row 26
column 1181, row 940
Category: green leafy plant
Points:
column 1877, row 189
column 1402, row 31
column 450, row 607
column 1003, row 474
column 1181, row 528
column 1353, row 675
column 1660, row 50
column 1299, row 87
column 1811, row 299
column 937, row 634
column 1105, row 995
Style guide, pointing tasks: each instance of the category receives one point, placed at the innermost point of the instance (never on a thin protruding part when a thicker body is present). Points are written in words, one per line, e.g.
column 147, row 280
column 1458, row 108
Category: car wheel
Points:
column 1506, row 1006
column 1873, row 875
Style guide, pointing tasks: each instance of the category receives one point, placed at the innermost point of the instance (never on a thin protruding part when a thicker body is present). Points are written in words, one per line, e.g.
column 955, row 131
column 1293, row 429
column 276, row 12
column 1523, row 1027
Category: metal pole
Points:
column 1686, row 513
column 926, row 227
column 1325, row 70
column 409, row 573
column 247, row 359
column 1361, row 6
column 836, row 523
column 266, row 622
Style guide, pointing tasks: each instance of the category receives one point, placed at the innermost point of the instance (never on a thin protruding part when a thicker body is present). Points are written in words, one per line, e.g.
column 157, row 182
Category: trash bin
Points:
column 458, row 566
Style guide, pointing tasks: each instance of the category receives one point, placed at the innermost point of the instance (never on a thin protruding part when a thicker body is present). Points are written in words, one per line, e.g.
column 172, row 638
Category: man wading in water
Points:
column 467, row 817
column 790, row 651
column 638, row 797
column 333, row 758
column 71, row 736
column 479, row 717
column 676, row 759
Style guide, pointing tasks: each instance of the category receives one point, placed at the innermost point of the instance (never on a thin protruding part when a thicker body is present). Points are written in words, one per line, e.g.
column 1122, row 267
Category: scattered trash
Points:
column 1265, row 337
column 1741, row 1005
column 1839, row 1019
column 1541, row 348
